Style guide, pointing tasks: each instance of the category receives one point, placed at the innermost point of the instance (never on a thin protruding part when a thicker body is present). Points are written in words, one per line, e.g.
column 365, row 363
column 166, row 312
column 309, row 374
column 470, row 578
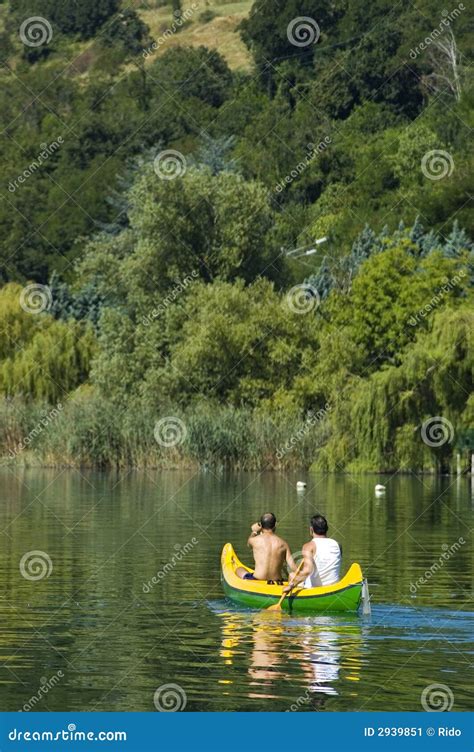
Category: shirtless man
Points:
column 270, row 551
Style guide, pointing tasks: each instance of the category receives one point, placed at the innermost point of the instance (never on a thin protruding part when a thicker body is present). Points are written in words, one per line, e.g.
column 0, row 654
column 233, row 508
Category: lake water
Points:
column 98, row 634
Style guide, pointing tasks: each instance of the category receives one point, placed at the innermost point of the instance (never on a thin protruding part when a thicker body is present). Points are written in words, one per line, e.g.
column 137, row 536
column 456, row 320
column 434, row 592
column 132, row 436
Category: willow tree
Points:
column 394, row 352
column 407, row 416
column 41, row 358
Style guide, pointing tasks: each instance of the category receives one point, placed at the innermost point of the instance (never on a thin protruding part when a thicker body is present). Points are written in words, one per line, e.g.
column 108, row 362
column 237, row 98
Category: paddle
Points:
column 277, row 606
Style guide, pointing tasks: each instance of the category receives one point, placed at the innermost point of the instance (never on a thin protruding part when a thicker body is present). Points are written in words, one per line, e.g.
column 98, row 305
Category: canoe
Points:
column 344, row 595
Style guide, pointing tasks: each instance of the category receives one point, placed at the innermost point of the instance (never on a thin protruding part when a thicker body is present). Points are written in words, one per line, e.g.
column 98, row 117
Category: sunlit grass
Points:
column 219, row 33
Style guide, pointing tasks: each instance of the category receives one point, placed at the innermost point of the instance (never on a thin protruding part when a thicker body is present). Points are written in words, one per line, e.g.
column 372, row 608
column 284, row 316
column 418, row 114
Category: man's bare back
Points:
column 270, row 552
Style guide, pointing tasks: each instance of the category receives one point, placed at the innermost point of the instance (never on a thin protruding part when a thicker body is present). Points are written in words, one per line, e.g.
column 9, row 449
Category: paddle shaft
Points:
column 300, row 566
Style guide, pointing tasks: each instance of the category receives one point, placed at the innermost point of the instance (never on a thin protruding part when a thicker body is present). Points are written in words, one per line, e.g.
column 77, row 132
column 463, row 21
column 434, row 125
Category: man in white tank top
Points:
column 322, row 558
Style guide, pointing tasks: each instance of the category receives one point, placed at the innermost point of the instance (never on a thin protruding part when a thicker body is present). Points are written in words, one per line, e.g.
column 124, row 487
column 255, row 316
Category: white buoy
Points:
column 300, row 485
column 379, row 488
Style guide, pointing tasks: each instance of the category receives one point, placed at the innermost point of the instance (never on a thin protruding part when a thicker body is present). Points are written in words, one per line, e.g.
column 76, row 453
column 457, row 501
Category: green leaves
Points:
column 211, row 227
column 83, row 18
column 41, row 358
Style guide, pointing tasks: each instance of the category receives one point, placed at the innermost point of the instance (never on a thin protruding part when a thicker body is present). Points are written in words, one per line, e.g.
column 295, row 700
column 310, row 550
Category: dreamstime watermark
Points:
column 437, row 164
column 437, row 698
column 303, row 31
column 35, row 31
column 47, row 150
column 302, row 299
column 36, row 431
column 438, row 297
column 311, row 419
column 299, row 703
column 448, row 18
column 46, row 685
column 35, row 565
column 169, row 164
column 437, row 431
column 171, row 30
column 179, row 287
column 36, row 298
column 71, row 734
column 312, row 152
column 170, row 431
column 448, row 552
column 298, row 557
column 178, row 556
column 170, row 698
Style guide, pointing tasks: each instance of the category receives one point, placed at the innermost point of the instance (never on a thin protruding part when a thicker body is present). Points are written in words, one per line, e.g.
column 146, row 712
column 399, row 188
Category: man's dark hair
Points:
column 268, row 521
column 319, row 524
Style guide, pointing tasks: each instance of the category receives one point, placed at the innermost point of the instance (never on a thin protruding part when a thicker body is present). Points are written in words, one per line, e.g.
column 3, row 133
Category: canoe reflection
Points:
column 306, row 658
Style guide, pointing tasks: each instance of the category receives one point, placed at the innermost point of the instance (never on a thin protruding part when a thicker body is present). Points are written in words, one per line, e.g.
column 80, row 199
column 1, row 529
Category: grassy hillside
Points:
column 218, row 33
column 210, row 23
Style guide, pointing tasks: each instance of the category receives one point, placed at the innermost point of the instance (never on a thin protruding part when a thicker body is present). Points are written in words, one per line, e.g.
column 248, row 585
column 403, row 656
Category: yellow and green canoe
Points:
column 345, row 595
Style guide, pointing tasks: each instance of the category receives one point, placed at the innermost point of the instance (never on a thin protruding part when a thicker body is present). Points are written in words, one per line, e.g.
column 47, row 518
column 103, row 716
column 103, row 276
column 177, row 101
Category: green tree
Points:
column 84, row 18
column 195, row 72
column 267, row 34
column 127, row 31
column 222, row 342
column 382, row 312
column 196, row 225
column 41, row 358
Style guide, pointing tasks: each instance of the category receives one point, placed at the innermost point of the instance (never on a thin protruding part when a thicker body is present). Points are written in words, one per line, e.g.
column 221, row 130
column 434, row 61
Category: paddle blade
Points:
column 276, row 607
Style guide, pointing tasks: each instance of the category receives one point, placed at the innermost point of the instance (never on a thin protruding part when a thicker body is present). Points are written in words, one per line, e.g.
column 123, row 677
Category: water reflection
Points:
column 309, row 656
column 323, row 655
column 266, row 659
column 108, row 534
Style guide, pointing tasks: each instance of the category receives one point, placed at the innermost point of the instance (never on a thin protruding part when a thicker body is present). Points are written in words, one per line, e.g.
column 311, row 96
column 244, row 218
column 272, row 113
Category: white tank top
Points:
column 327, row 563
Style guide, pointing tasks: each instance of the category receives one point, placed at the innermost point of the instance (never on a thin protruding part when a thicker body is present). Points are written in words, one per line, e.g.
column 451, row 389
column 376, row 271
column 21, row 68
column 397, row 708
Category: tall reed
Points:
column 91, row 431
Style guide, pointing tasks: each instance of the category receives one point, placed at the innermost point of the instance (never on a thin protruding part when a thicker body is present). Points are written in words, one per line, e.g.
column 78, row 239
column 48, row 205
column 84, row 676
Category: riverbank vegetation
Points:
column 152, row 311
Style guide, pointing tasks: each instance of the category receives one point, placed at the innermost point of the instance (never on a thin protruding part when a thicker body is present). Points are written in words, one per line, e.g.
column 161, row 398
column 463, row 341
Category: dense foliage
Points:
column 158, row 196
column 84, row 18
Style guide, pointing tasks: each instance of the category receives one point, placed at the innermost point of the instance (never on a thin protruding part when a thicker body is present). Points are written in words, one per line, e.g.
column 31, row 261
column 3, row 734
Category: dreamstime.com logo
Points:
column 43, row 423
column 176, row 291
column 302, row 299
column 303, row 31
column 298, row 557
column 448, row 286
column 446, row 20
column 437, row 164
column 35, row 565
column 171, row 30
column 46, row 685
column 71, row 734
column 170, row 698
column 311, row 420
column 299, row 703
column 36, row 298
column 169, row 164
column 437, row 698
column 448, row 553
column 180, row 553
column 437, row 431
column 47, row 151
column 312, row 151
column 170, row 431
column 35, row 31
